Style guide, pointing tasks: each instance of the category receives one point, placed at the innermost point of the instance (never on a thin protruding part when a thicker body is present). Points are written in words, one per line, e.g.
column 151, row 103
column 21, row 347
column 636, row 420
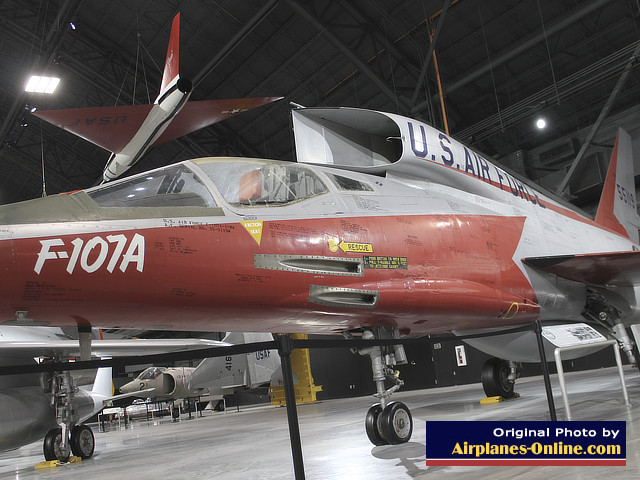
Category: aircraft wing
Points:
column 108, row 127
column 618, row 269
column 106, row 348
column 126, row 395
column 202, row 113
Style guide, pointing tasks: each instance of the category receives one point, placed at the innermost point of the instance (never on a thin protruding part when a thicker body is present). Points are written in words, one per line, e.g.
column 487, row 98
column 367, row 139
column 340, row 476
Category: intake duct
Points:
column 343, row 297
column 310, row 264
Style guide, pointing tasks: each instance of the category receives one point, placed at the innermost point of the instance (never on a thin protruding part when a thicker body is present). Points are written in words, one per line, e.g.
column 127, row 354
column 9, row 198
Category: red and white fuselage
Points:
column 258, row 245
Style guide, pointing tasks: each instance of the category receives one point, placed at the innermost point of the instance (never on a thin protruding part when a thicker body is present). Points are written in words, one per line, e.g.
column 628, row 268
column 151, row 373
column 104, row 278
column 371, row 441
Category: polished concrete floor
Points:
column 254, row 443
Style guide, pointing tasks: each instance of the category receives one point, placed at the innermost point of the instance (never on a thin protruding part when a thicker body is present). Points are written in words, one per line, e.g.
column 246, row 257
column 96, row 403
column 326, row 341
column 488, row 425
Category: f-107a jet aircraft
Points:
column 396, row 229
column 129, row 131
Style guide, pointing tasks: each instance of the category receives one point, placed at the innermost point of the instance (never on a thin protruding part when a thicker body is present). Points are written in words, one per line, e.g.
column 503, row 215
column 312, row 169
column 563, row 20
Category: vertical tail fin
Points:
column 172, row 65
column 617, row 209
column 103, row 384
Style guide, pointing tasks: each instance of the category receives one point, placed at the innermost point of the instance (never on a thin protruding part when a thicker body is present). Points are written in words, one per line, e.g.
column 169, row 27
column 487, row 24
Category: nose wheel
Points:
column 372, row 425
column 54, row 448
column 82, row 441
column 392, row 425
column 386, row 423
column 81, row 444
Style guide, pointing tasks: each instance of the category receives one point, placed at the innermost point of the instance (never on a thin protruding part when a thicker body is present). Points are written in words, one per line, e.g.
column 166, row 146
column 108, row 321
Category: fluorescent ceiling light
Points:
column 37, row 84
column 541, row 123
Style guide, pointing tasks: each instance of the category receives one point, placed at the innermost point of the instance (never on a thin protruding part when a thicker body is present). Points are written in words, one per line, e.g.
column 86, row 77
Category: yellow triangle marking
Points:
column 255, row 229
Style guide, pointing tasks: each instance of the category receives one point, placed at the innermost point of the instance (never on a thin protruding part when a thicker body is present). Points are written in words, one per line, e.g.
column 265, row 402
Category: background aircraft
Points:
column 128, row 131
column 213, row 377
column 401, row 231
column 49, row 405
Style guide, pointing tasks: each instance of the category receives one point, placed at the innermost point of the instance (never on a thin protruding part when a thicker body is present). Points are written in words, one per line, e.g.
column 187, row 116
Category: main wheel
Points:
column 396, row 424
column 495, row 378
column 82, row 441
column 371, row 425
column 53, row 449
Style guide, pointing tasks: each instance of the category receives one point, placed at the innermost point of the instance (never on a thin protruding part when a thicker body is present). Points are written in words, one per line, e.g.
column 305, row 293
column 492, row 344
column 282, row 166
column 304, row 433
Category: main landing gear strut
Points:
column 386, row 422
column 599, row 310
column 69, row 438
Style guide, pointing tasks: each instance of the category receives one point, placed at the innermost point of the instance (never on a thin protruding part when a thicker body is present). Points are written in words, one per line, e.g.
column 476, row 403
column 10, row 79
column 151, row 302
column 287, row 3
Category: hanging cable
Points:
column 44, row 185
column 124, row 79
column 486, row 46
column 393, row 79
column 140, row 44
column 546, row 42
column 135, row 71
column 144, row 74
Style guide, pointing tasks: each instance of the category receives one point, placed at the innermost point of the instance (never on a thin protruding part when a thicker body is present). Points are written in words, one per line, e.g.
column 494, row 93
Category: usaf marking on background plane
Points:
column 390, row 233
column 213, row 377
column 128, row 131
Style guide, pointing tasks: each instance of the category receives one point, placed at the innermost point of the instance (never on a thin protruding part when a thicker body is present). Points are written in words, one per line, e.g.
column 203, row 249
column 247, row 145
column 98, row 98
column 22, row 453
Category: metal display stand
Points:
column 563, row 387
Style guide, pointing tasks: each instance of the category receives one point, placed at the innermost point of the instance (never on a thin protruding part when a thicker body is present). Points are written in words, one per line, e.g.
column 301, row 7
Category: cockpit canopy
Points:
column 174, row 186
column 241, row 183
column 266, row 183
column 150, row 373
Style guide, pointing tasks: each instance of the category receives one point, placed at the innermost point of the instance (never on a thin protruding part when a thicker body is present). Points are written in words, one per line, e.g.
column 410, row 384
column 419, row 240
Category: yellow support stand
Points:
column 305, row 390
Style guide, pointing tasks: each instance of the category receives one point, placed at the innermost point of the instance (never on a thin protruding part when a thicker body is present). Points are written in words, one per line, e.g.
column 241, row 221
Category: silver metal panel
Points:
column 310, row 264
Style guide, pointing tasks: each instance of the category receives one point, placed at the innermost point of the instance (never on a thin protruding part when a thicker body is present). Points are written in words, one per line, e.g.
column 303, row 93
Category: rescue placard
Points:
column 385, row 263
column 356, row 247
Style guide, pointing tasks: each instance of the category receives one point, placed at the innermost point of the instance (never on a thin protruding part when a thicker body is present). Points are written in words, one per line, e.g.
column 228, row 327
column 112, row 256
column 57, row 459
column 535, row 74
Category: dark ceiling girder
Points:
column 552, row 29
column 427, row 60
column 54, row 43
column 362, row 66
column 567, row 87
column 253, row 22
column 603, row 113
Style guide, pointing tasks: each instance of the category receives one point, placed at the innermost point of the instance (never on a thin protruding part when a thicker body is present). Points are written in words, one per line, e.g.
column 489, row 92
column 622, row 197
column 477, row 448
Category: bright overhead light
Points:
column 38, row 84
column 541, row 123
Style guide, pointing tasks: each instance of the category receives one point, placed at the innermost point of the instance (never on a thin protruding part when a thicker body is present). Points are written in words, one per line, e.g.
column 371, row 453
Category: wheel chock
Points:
column 56, row 463
column 497, row 399
column 490, row 400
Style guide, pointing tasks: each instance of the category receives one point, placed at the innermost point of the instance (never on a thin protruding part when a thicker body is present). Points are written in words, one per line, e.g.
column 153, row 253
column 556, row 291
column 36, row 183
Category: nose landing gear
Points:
column 386, row 423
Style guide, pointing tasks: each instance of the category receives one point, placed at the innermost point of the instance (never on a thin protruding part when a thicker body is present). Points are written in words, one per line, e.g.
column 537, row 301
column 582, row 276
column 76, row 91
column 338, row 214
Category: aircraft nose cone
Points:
column 128, row 387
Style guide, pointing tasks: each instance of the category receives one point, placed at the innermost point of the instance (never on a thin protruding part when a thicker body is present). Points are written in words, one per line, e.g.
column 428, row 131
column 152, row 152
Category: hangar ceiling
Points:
column 501, row 63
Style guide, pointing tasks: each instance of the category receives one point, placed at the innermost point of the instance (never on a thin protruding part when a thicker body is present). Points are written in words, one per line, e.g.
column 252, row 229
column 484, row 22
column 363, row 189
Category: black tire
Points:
column 52, row 446
column 396, row 424
column 494, row 376
column 82, row 441
column 371, row 425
